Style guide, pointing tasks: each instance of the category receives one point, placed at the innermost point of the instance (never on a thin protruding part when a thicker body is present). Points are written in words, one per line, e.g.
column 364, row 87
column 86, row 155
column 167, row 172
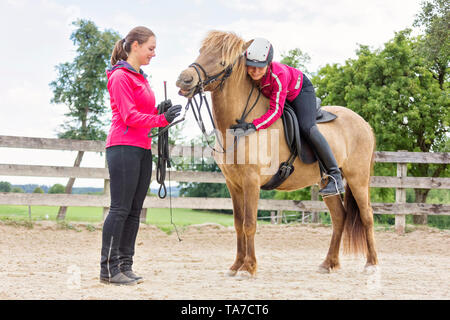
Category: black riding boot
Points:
column 335, row 185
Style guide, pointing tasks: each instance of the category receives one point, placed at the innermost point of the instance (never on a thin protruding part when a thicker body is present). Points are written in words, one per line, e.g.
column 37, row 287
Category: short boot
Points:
column 130, row 274
column 119, row 279
column 335, row 184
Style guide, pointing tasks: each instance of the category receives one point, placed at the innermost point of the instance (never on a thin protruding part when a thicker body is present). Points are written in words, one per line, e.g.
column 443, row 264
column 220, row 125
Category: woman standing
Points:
column 279, row 83
column 128, row 151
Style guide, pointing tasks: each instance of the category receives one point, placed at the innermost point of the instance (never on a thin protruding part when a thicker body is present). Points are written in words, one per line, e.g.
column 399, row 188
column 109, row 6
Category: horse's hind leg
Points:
column 237, row 198
column 337, row 213
column 361, row 194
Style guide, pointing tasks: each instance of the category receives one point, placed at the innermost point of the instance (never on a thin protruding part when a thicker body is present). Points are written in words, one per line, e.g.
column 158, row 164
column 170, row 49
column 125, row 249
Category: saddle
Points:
column 298, row 145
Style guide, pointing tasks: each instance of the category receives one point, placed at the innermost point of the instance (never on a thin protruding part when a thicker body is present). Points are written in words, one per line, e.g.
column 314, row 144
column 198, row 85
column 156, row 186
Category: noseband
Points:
column 225, row 73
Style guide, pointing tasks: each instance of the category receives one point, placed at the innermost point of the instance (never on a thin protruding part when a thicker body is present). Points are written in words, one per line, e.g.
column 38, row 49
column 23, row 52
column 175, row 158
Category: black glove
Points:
column 242, row 128
column 164, row 106
column 172, row 113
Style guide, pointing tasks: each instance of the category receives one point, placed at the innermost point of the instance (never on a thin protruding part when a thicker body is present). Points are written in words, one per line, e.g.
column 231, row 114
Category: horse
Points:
column 350, row 137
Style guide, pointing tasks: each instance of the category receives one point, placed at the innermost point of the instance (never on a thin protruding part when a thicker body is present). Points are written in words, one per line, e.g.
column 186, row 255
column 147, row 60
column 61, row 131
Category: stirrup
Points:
column 325, row 195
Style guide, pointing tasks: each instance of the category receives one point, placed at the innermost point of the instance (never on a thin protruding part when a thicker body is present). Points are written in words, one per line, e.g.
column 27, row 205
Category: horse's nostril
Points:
column 188, row 80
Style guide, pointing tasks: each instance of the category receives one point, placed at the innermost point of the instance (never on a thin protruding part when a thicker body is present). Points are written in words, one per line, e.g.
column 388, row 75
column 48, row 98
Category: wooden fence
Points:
column 401, row 182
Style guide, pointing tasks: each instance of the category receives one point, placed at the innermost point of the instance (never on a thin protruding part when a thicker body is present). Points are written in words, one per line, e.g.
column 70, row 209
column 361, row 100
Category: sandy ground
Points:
column 48, row 262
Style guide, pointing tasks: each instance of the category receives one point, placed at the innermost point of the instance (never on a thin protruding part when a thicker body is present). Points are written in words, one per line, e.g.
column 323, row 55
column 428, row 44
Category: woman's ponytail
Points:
column 119, row 52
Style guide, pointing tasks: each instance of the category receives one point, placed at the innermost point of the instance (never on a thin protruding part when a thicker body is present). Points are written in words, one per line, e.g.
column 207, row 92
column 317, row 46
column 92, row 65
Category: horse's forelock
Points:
column 230, row 45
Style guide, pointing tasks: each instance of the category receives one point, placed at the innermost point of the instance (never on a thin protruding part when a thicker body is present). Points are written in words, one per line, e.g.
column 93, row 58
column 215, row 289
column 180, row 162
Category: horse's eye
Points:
column 222, row 63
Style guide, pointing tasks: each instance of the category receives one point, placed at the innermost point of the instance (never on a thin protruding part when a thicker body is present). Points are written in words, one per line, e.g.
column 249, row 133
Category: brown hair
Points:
column 123, row 46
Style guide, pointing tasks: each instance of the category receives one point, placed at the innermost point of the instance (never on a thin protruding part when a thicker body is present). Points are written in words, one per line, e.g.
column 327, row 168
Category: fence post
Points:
column 106, row 190
column 400, row 197
column 143, row 217
column 279, row 216
column 272, row 217
column 315, row 197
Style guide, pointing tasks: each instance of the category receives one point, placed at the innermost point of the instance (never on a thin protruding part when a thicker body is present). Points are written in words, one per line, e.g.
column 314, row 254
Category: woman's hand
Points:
column 242, row 128
column 164, row 106
column 172, row 113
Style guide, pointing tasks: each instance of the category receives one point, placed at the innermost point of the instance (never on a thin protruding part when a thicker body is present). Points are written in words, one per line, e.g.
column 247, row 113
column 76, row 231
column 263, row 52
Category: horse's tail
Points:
column 354, row 237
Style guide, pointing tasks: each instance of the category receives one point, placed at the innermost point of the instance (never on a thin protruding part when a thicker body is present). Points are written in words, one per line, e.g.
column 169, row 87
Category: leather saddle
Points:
column 298, row 145
column 294, row 139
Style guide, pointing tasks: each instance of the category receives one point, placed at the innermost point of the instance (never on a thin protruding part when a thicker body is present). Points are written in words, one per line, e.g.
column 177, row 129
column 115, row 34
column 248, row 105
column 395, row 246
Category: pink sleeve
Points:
column 122, row 93
column 277, row 99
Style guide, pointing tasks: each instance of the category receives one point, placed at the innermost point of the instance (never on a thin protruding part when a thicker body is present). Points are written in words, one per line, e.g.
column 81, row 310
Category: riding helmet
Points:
column 259, row 53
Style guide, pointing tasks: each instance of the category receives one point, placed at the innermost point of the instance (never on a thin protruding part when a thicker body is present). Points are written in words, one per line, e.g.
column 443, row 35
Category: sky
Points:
column 35, row 36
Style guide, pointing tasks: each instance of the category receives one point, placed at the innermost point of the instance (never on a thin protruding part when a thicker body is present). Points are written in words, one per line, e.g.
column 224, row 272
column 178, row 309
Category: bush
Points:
column 57, row 188
column 38, row 190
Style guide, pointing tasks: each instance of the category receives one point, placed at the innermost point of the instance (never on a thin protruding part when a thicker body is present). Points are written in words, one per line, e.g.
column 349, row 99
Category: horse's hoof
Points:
column 231, row 273
column 244, row 275
column 323, row 270
column 370, row 269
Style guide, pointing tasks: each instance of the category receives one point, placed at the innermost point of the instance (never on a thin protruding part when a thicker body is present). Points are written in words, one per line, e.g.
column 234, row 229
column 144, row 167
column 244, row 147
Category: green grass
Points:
column 158, row 216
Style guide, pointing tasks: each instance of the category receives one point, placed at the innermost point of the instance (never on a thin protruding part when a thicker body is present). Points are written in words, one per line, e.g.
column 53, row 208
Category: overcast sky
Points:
column 35, row 36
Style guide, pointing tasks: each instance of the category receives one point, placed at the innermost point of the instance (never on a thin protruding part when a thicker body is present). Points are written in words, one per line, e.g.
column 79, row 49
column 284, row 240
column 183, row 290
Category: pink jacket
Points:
column 280, row 82
column 133, row 108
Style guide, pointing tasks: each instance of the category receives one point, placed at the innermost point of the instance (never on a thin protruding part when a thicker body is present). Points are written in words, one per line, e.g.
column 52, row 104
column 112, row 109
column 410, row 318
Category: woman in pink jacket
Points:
column 279, row 83
column 128, row 151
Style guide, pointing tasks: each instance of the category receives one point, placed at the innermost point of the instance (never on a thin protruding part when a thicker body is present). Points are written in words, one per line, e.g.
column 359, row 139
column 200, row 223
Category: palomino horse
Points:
column 350, row 137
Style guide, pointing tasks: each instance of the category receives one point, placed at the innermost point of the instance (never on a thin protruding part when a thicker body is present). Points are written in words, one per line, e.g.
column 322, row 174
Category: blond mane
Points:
column 229, row 44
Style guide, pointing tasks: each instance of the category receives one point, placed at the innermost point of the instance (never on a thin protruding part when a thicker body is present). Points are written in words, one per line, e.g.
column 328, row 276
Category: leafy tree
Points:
column 38, row 190
column 57, row 188
column 17, row 190
column 5, row 186
column 298, row 59
column 435, row 47
column 81, row 86
column 398, row 94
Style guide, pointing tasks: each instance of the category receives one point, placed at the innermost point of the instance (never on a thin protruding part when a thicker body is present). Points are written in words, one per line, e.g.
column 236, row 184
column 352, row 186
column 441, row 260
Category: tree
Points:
column 38, row 190
column 57, row 188
column 81, row 86
column 394, row 90
column 5, row 186
column 298, row 59
column 435, row 47
column 17, row 190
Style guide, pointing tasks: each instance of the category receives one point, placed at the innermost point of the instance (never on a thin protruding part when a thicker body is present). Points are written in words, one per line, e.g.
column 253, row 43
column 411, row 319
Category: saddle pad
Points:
column 292, row 133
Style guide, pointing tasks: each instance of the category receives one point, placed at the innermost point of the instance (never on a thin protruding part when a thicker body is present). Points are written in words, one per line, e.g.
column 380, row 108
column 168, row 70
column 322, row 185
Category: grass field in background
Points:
column 155, row 216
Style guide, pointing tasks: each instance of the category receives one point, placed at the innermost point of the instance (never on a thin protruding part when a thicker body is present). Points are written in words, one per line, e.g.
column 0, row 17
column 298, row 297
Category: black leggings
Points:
column 305, row 106
column 130, row 170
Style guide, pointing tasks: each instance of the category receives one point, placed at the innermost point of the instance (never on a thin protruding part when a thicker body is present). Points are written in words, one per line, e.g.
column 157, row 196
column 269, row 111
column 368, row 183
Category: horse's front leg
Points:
column 251, row 196
column 237, row 198
column 337, row 213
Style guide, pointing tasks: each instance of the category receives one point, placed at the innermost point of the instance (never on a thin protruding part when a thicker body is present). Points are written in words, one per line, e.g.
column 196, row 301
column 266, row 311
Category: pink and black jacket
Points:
column 133, row 107
column 280, row 83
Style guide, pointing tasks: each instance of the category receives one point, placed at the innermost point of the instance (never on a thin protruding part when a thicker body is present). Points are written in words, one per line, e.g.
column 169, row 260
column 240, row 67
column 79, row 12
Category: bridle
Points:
column 225, row 73
column 199, row 89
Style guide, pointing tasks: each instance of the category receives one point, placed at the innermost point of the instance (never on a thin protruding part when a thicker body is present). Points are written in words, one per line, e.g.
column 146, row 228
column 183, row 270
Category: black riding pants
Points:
column 305, row 107
column 130, row 170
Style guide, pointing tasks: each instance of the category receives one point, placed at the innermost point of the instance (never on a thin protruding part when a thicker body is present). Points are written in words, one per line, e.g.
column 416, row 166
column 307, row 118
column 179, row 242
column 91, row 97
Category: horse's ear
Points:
column 247, row 44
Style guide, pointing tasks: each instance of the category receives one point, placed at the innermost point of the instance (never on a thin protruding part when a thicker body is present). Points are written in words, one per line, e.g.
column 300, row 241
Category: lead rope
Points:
column 164, row 162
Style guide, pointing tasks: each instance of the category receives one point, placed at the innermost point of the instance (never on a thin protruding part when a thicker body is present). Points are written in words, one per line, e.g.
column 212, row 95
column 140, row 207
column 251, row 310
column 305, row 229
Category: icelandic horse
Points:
column 350, row 137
